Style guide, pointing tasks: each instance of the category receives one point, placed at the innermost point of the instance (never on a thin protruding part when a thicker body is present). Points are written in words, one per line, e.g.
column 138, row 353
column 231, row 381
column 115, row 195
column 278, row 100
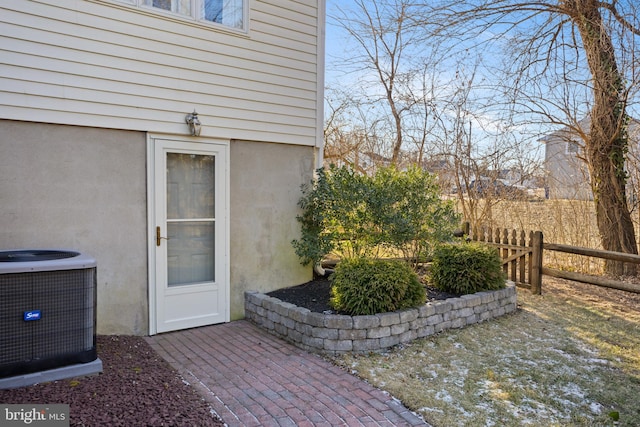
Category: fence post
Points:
column 514, row 263
column 536, row 258
column 522, row 260
column 505, row 250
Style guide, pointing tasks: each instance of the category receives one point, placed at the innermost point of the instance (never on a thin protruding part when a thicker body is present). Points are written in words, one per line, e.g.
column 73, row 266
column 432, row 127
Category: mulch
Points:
column 136, row 388
column 315, row 295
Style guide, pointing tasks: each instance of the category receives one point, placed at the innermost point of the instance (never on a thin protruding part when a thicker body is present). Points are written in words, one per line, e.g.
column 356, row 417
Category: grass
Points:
column 570, row 357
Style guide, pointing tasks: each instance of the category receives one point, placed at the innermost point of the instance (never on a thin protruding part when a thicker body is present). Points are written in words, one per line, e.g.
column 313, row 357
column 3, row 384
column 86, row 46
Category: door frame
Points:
column 152, row 220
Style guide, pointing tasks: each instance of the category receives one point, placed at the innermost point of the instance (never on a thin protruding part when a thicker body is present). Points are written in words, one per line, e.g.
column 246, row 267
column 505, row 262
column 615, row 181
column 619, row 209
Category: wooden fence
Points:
column 522, row 258
column 521, row 253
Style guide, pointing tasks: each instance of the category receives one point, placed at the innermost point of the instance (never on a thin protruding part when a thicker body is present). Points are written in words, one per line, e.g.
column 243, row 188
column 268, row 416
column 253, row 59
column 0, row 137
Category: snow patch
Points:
column 596, row 408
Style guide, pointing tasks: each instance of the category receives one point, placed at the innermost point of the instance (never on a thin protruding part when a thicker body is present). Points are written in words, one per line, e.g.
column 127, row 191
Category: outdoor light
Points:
column 194, row 124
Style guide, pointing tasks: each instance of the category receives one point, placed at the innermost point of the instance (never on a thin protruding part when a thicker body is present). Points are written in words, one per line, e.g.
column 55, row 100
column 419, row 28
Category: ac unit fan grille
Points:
column 65, row 331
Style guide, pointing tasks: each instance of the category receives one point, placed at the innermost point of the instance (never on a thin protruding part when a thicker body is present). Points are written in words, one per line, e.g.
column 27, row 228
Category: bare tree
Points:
column 400, row 86
column 385, row 44
column 340, row 145
column 429, row 96
column 585, row 51
column 351, row 134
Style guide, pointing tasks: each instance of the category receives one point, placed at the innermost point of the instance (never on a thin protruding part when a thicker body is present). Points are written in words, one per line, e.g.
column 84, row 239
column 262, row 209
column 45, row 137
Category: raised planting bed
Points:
column 337, row 333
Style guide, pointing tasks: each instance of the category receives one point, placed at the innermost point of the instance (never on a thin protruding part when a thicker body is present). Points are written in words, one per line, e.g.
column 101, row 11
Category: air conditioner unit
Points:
column 47, row 310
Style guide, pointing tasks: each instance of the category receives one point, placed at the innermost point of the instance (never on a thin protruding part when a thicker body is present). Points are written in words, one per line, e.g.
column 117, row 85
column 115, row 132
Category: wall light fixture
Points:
column 194, row 123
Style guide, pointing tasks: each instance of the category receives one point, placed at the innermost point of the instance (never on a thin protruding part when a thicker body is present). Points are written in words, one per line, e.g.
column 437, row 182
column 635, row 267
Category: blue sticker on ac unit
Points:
column 32, row 315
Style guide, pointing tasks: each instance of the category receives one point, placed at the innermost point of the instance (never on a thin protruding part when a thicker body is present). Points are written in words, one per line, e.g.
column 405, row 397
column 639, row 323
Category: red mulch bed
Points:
column 137, row 388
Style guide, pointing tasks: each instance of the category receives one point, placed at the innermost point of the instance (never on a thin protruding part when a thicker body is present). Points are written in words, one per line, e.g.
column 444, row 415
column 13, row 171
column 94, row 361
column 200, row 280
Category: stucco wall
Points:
column 265, row 189
column 84, row 189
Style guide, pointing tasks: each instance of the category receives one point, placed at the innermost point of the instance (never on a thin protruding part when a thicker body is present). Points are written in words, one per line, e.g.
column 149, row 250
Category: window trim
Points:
column 139, row 5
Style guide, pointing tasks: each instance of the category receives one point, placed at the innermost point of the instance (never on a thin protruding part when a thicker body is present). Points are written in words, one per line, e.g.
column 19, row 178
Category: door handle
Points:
column 159, row 237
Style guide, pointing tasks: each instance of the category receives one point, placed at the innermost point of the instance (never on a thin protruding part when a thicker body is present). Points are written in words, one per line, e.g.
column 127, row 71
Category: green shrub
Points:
column 411, row 217
column 334, row 216
column 357, row 216
column 369, row 286
column 466, row 268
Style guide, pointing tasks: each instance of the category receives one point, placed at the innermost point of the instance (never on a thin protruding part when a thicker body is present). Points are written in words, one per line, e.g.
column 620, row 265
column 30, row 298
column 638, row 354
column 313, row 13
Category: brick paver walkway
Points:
column 251, row 378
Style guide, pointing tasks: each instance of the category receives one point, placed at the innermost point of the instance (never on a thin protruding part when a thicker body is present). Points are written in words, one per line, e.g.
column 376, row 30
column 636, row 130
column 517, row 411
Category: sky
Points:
column 339, row 49
column 336, row 40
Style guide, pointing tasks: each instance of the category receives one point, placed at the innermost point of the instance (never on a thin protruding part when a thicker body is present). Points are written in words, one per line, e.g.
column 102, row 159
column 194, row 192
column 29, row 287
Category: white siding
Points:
column 109, row 65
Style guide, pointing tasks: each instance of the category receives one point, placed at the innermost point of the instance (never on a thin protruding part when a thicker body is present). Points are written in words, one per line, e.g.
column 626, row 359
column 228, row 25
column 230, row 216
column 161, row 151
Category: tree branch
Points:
column 611, row 7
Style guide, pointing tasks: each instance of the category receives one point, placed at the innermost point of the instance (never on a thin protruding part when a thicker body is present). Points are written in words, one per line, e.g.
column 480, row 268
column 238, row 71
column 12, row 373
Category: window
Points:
column 230, row 13
column 225, row 12
column 182, row 7
column 572, row 147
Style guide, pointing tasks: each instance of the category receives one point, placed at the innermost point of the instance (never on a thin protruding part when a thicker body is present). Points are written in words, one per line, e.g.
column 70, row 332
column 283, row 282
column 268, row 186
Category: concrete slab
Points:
column 64, row 372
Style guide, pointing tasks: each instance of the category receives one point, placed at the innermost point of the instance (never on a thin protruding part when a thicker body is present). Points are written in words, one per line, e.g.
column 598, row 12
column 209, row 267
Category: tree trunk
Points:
column 607, row 142
column 397, row 145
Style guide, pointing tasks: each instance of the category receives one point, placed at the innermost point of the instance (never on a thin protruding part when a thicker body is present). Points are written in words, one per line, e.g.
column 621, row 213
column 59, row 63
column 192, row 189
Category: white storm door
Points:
column 189, row 238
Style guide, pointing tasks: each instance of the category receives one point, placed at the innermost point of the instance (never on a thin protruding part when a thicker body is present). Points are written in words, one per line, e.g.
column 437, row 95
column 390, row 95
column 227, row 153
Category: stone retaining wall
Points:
column 335, row 334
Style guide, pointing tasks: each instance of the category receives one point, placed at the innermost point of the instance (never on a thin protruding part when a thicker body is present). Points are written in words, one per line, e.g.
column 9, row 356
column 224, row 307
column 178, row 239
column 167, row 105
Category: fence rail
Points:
column 586, row 278
column 522, row 258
